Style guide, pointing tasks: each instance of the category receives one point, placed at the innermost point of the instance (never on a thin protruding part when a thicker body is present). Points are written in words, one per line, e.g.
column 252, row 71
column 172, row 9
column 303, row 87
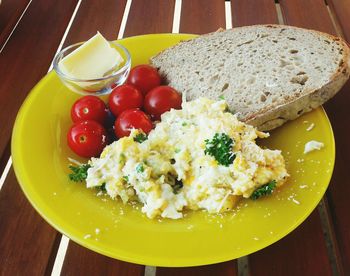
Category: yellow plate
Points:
column 40, row 158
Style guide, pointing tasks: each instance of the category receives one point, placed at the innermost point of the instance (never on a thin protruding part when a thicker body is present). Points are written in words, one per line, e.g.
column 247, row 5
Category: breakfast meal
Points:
column 268, row 74
column 180, row 133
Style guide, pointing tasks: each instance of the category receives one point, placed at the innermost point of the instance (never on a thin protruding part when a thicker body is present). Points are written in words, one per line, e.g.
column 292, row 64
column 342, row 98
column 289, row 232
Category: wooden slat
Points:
column 104, row 16
column 195, row 12
column 27, row 56
column 224, row 269
column 292, row 255
column 147, row 17
column 77, row 257
column 337, row 110
column 26, row 240
column 80, row 261
column 303, row 252
column 341, row 9
column 201, row 17
column 251, row 12
column 311, row 14
column 91, row 17
column 10, row 11
column 338, row 113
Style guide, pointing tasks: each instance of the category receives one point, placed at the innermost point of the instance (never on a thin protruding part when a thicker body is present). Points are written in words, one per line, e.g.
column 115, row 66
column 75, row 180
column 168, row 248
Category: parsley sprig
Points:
column 220, row 147
column 79, row 173
column 264, row 190
column 140, row 137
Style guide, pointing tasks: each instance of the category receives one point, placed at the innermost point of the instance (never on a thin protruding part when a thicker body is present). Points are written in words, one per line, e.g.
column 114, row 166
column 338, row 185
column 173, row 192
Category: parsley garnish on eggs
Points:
column 264, row 190
column 79, row 173
column 220, row 147
column 141, row 137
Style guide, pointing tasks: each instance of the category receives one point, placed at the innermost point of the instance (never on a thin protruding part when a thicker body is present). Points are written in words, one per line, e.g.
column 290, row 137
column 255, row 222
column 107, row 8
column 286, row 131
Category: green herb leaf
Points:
column 184, row 124
column 177, row 150
column 79, row 173
column 126, row 178
column 140, row 168
column 221, row 97
column 220, row 147
column 141, row 137
column 264, row 190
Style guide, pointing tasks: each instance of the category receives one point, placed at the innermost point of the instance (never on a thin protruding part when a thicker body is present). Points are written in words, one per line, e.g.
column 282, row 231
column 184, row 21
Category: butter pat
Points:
column 312, row 145
column 92, row 60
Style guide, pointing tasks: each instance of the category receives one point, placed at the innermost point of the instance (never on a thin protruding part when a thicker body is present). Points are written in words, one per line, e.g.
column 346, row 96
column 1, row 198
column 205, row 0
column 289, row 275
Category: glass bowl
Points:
column 100, row 86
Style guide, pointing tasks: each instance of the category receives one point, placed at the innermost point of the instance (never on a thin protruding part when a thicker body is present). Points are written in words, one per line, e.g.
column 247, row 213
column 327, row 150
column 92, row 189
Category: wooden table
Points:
column 31, row 32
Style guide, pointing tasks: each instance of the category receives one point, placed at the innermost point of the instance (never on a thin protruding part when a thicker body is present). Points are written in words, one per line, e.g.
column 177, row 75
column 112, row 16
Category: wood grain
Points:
column 146, row 17
column 81, row 261
column 339, row 113
column 251, row 12
column 104, row 16
column 27, row 57
column 221, row 269
column 341, row 9
column 10, row 11
column 310, row 14
column 303, row 252
column 26, row 239
column 195, row 12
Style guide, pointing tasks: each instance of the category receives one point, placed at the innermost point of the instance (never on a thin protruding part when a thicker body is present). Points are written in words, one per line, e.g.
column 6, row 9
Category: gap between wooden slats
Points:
column 11, row 12
column 20, row 223
column 341, row 12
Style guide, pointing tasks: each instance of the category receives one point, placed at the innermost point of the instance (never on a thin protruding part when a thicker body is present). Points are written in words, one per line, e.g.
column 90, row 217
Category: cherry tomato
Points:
column 89, row 108
column 87, row 138
column 129, row 119
column 144, row 78
column 160, row 100
column 124, row 97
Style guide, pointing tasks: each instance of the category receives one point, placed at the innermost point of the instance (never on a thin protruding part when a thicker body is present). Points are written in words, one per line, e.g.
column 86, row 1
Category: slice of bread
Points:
column 268, row 74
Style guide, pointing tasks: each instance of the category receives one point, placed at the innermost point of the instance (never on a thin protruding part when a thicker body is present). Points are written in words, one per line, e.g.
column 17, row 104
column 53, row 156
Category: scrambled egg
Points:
column 170, row 171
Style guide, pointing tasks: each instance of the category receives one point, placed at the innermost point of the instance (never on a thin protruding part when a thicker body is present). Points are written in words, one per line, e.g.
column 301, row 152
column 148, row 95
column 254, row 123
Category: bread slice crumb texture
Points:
column 258, row 69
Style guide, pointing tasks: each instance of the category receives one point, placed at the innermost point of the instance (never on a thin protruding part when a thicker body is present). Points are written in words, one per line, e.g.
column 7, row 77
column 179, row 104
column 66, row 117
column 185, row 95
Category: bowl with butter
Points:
column 93, row 67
